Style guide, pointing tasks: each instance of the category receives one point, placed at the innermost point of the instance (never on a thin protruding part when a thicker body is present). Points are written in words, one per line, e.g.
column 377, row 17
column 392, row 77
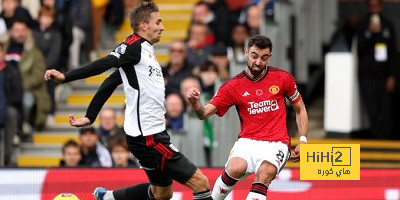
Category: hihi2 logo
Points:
column 330, row 162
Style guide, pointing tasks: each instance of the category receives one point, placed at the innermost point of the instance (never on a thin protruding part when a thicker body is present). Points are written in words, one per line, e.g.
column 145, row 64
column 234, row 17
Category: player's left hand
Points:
column 79, row 122
column 296, row 154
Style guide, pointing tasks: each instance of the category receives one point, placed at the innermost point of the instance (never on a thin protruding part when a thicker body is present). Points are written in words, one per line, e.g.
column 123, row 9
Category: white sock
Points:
column 253, row 195
column 220, row 190
column 109, row 195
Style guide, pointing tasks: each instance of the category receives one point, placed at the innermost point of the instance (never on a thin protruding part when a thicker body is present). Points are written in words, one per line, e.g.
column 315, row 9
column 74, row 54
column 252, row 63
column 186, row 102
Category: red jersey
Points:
column 260, row 104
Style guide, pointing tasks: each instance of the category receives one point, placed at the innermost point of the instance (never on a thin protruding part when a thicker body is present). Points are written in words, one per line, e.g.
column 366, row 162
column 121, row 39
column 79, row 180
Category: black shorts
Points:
column 161, row 161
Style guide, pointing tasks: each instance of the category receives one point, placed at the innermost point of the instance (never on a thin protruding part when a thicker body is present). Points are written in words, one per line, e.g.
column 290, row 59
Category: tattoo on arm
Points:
column 200, row 112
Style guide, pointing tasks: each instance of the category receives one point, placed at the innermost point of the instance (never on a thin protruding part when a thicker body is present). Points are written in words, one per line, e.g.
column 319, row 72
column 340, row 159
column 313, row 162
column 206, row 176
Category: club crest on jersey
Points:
column 259, row 92
column 274, row 89
column 121, row 49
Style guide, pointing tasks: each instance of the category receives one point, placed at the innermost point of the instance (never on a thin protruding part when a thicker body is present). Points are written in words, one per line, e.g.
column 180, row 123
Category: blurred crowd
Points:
column 104, row 146
column 36, row 35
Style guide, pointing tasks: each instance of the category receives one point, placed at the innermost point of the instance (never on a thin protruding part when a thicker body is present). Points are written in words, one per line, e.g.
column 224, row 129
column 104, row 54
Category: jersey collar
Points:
column 258, row 79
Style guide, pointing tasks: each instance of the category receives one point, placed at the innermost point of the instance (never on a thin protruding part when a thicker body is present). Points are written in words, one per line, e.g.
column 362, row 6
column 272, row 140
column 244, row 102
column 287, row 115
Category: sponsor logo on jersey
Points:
column 259, row 92
column 274, row 89
column 263, row 106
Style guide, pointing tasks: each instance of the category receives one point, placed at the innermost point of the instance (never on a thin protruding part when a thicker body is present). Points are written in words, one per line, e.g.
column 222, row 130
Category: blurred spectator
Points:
column 99, row 8
column 221, row 24
column 254, row 19
column 33, row 6
column 342, row 39
column 192, row 147
column 22, row 52
column 208, row 76
column 47, row 36
column 121, row 155
column 48, row 40
column 178, row 68
column 71, row 155
column 12, row 9
column 376, row 67
column 221, row 60
column 94, row 154
column 174, row 105
column 175, row 110
column 197, row 50
column 64, row 25
column 203, row 15
column 266, row 8
column 11, row 92
column 240, row 33
column 187, row 83
column 80, row 15
column 108, row 126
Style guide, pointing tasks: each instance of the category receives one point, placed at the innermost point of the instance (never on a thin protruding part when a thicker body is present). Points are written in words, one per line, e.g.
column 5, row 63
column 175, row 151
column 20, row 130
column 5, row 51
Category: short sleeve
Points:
column 291, row 91
column 223, row 99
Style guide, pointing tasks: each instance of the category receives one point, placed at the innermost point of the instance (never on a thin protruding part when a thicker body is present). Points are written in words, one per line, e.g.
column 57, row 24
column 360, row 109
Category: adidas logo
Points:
column 246, row 94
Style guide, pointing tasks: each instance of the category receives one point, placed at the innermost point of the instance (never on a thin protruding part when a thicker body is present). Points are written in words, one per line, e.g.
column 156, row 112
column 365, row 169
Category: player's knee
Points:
column 236, row 171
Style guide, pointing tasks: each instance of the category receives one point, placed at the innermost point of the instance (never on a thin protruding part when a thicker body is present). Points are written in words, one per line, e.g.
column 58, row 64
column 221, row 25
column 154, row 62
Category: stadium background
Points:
column 301, row 32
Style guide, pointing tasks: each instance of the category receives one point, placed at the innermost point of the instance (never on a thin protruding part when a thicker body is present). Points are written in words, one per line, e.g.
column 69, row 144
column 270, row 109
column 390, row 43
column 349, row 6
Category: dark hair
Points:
column 260, row 41
column 18, row 20
column 70, row 143
column 208, row 66
column 118, row 142
column 142, row 14
column 90, row 129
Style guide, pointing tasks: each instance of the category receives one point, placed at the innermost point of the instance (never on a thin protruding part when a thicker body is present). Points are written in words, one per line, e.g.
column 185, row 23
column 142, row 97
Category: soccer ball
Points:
column 66, row 196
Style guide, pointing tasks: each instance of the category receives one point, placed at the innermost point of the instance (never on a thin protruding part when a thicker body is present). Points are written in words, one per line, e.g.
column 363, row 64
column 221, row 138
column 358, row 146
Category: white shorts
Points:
column 257, row 151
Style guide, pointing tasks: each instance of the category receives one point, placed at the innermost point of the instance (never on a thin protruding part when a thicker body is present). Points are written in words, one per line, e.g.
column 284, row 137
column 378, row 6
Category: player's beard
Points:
column 255, row 73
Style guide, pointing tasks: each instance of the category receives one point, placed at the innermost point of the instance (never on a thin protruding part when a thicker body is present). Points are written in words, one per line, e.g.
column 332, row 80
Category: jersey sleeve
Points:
column 223, row 99
column 97, row 67
column 103, row 94
column 291, row 91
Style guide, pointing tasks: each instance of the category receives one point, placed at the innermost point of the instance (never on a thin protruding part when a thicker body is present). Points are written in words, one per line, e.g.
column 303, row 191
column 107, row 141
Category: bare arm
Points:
column 302, row 126
column 202, row 112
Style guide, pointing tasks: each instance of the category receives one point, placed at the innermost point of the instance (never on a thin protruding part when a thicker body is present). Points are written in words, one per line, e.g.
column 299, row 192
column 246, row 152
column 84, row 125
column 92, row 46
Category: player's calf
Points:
column 200, row 186
column 223, row 186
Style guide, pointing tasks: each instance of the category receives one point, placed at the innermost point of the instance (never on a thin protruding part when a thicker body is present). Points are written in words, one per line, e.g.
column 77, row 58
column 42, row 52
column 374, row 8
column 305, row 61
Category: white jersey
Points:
column 143, row 83
column 145, row 94
column 144, row 87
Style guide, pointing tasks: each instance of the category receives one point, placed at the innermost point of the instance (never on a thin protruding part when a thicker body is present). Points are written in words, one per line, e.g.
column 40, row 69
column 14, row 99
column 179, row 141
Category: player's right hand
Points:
column 192, row 95
column 55, row 75
column 79, row 122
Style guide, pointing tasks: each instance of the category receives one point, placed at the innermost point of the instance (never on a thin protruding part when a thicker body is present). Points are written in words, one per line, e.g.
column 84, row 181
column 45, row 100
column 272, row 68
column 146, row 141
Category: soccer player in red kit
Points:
column 258, row 93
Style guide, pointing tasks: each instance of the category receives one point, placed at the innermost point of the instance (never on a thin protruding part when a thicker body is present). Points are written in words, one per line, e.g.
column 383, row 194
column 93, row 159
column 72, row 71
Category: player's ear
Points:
column 143, row 26
column 246, row 52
